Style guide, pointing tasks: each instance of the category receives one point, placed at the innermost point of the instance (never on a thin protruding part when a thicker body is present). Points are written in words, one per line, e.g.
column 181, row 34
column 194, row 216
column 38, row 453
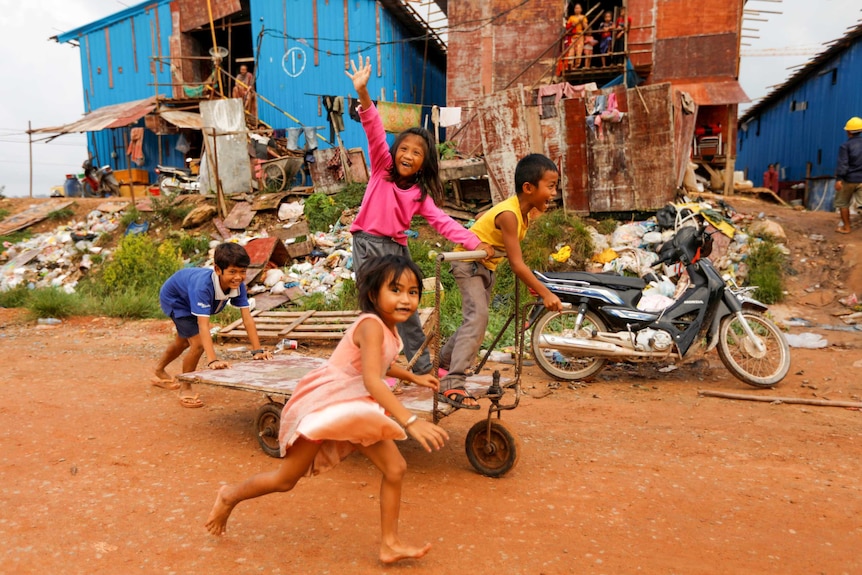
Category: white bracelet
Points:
column 410, row 421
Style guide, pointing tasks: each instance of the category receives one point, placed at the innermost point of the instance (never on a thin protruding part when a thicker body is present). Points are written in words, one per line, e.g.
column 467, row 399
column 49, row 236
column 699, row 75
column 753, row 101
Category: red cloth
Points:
column 136, row 146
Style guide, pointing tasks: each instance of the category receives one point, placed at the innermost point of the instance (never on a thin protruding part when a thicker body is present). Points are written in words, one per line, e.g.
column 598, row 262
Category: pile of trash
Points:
column 59, row 258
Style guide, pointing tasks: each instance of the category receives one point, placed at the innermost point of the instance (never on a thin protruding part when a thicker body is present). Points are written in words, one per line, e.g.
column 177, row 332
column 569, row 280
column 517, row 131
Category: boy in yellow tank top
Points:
column 503, row 227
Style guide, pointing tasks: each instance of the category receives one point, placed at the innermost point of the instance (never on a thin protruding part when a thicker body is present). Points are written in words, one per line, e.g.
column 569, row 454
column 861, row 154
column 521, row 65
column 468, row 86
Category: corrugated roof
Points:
column 115, row 116
column 108, row 20
column 183, row 119
column 835, row 48
column 715, row 93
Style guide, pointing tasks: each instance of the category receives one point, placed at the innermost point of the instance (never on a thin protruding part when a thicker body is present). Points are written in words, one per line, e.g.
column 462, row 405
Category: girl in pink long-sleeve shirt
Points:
column 404, row 182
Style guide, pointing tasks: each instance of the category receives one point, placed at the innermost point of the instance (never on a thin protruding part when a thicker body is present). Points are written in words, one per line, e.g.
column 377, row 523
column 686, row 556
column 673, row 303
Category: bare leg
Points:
column 175, row 349
column 845, row 221
column 295, row 464
column 190, row 362
column 386, row 457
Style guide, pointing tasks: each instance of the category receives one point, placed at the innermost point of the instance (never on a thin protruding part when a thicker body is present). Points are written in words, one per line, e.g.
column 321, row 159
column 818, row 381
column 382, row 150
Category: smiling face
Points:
column 410, row 155
column 398, row 298
column 230, row 278
column 540, row 196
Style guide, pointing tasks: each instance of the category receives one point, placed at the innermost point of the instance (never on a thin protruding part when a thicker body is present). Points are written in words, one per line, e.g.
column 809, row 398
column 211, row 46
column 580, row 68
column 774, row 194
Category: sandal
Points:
column 191, row 401
column 165, row 383
column 455, row 397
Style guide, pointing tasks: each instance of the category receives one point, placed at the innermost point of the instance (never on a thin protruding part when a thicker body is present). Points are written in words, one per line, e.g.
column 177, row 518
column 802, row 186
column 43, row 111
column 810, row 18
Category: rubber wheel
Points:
column 739, row 354
column 492, row 456
column 273, row 177
column 566, row 365
column 267, row 424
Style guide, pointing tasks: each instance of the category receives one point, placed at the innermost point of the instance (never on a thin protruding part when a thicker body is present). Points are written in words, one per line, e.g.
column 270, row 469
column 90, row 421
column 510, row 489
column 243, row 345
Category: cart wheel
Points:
column 274, row 178
column 266, row 424
column 492, row 455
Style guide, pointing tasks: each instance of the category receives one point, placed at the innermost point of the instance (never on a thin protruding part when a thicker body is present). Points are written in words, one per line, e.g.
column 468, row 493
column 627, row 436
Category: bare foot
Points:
column 217, row 521
column 393, row 553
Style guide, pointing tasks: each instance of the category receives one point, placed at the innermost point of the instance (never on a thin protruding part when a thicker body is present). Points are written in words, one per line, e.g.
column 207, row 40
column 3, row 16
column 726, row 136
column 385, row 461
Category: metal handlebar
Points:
column 464, row 256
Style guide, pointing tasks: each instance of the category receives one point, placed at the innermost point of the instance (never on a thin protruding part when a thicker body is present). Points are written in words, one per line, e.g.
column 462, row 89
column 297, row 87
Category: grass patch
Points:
column 766, row 271
column 3, row 214
column 16, row 237
column 344, row 299
column 126, row 305
column 53, row 302
column 322, row 210
column 131, row 216
column 191, row 247
column 15, row 297
column 607, row 226
column 227, row 316
column 61, row 214
column 167, row 211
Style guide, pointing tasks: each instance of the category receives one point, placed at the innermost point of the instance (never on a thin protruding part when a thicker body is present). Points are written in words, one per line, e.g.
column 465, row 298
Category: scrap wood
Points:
column 32, row 215
column 219, row 225
column 113, row 206
column 240, row 216
column 268, row 201
column 762, row 193
column 773, row 399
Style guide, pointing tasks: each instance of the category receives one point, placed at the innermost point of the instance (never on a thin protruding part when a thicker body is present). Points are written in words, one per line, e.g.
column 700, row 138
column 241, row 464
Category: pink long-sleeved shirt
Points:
column 387, row 209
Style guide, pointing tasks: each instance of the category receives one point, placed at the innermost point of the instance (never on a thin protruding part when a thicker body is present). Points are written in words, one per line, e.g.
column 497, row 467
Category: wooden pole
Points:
column 773, row 399
column 30, row 144
column 222, row 206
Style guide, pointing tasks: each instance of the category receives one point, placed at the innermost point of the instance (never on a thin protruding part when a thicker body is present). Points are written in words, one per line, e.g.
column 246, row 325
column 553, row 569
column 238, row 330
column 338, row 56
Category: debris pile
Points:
column 59, row 258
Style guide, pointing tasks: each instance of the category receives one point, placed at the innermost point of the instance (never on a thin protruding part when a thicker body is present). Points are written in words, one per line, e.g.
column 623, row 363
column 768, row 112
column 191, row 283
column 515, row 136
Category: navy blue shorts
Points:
column 187, row 326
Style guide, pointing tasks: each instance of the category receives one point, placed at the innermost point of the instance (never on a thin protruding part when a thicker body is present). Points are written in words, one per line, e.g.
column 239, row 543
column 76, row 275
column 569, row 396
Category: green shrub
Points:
column 130, row 216
column 53, row 302
column 344, row 299
column 322, row 210
column 61, row 214
column 765, row 270
column 191, row 247
column 127, row 305
column 167, row 211
column 140, row 264
column 3, row 214
column 15, row 297
column 16, row 237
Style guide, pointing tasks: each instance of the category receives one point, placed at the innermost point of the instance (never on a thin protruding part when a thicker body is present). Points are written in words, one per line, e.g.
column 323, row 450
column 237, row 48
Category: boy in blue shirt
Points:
column 189, row 298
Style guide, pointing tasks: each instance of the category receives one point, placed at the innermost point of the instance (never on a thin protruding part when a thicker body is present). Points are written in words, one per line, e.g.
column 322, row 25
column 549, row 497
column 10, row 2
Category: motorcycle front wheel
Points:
column 169, row 185
column 739, row 354
column 561, row 363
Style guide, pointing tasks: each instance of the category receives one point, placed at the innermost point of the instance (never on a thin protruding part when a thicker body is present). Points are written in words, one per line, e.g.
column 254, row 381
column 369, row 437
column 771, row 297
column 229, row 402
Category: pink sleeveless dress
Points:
column 332, row 406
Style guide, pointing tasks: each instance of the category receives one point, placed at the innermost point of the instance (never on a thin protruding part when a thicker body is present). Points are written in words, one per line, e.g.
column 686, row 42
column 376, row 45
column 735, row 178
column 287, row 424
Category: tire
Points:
column 266, row 425
column 492, row 456
column 743, row 360
column 273, row 177
column 565, row 366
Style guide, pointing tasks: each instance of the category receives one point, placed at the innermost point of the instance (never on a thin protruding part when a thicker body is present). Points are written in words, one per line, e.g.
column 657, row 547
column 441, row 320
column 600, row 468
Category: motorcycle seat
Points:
column 169, row 169
column 608, row 280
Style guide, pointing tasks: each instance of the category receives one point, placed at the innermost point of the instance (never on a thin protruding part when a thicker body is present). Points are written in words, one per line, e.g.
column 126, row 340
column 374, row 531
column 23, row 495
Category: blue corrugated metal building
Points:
column 800, row 124
column 297, row 49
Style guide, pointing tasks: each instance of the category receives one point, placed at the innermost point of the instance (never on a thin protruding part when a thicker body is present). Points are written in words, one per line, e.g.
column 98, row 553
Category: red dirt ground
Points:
column 633, row 473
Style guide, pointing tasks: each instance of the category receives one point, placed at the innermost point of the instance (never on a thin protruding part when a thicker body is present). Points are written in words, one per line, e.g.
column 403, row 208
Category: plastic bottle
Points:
column 48, row 321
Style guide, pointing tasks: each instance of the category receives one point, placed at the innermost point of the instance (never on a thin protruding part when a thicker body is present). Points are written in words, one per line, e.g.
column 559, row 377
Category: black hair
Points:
column 570, row 7
column 531, row 169
column 428, row 176
column 230, row 254
column 376, row 271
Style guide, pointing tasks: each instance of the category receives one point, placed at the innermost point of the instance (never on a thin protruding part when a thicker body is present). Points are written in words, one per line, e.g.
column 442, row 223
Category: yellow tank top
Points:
column 487, row 231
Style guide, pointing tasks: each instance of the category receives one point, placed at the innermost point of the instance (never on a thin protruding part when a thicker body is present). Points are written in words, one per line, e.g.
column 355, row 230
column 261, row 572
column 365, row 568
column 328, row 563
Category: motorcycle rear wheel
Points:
column 740, row 356
column 565, row 365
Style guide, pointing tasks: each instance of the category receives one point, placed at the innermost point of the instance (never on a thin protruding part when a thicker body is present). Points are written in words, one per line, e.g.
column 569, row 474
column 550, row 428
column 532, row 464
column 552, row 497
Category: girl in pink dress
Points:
column 345, row 406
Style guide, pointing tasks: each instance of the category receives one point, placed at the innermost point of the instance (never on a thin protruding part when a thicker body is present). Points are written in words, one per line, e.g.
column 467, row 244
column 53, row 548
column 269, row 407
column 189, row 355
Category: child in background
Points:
column 503, row 227
column 189, row 298
column 589, row 45
column 404, row 182
column 342, row 407
column 573, row 43
column 606, row 30
column 624, row 24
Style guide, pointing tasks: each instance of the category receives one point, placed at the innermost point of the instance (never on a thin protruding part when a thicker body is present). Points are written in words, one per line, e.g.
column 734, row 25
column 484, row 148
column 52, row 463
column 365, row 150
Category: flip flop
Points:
column 455, row 397
column 170, row 384
column 191, row 401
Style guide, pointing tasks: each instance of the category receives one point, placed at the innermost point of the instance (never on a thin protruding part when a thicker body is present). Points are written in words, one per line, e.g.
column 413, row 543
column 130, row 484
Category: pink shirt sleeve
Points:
column 378, row 149
column 446, row 226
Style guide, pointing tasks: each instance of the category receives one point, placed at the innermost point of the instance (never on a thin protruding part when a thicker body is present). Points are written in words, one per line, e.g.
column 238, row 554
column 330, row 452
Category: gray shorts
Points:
column 850, row 193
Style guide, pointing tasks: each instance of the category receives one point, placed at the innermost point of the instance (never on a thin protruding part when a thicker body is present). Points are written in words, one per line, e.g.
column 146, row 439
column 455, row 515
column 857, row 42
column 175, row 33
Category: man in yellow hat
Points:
column 848, row 187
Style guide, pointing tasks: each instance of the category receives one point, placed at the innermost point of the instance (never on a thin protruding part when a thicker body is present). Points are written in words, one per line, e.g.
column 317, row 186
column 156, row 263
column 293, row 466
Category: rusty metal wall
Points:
column 196, row 14
column 696, row 57
column 651, row 143
column 505, row 137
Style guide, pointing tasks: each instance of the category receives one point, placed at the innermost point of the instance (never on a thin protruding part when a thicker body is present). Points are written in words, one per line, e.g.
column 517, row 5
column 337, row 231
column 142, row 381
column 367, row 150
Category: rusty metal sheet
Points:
column 610, row 169
column 573, row 148
column 194, row 13
column 689, row 57
column 505, row 139
column 240, row 216
column 183, row 119
column 32, row 215
column 114, row 116
column 677, row 18
column 651, row 146
column 714, row 93
column 683, row 133
column 326, row 172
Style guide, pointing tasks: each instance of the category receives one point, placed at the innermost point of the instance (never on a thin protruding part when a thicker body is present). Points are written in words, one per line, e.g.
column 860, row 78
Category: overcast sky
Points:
column 43, row 79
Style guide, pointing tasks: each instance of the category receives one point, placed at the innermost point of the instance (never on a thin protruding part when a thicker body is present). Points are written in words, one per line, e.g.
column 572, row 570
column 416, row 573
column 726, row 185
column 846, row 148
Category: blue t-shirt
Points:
column 196, row 291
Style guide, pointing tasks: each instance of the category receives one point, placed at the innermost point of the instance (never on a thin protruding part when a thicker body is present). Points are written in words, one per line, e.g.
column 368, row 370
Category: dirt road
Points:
column 102, row 473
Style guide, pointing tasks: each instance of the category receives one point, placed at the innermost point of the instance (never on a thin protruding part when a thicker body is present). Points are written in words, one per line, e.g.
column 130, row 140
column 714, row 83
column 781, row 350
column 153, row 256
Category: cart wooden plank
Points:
column 278, row 377
column 240, row 216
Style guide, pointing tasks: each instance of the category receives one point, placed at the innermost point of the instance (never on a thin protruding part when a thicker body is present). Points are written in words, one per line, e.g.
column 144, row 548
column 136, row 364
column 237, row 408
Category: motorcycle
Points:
column 98, row 182
column 603, row 322
column 177, row 180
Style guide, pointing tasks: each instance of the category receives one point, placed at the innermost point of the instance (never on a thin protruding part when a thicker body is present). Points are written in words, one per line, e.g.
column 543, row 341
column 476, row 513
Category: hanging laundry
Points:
column 136, row 146
column 335, row 113
column 398, row 117
column 450, row 116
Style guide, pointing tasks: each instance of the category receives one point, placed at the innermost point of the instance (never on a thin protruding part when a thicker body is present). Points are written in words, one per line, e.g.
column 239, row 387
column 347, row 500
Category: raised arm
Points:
column 378, row 148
